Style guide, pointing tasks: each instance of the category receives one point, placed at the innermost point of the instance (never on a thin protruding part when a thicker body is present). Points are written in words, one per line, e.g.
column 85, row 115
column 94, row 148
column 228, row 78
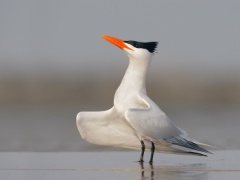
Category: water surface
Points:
column 118, row 165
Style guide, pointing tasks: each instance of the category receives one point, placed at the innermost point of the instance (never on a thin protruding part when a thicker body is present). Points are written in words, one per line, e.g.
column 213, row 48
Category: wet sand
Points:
column 117, row 165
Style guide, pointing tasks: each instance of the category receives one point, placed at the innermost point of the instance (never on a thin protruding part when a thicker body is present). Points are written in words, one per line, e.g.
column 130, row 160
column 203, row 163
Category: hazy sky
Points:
column 65, row 35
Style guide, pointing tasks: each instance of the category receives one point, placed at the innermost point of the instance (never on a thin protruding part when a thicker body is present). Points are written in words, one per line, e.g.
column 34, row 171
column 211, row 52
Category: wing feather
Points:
column 153, row 124
column 106, row 128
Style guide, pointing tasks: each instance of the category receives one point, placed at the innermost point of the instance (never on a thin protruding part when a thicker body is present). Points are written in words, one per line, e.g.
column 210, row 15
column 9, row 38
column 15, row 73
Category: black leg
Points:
column 142, row 153
column 152, row 152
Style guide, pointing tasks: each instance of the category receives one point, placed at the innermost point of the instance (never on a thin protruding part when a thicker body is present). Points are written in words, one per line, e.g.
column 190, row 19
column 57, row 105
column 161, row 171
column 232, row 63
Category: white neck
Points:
column 135, row 76
column 133, row 83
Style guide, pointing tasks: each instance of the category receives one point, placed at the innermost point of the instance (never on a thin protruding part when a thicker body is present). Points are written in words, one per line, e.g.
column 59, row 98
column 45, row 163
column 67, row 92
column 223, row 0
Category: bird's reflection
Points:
column 143, row 170
column 149, row 171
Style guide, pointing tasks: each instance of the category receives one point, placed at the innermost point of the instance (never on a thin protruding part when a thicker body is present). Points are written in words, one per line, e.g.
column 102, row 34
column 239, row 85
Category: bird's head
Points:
column 134, row 49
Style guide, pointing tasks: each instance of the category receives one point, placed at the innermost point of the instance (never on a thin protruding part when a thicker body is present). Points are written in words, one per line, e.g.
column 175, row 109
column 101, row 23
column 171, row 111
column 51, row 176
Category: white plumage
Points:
column 135, row 121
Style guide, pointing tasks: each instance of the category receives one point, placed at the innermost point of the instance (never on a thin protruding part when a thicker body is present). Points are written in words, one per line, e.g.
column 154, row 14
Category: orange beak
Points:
column 117, row 42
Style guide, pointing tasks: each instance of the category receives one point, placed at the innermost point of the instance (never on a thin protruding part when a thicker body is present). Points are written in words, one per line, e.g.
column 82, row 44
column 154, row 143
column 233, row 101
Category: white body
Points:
column 134, row 116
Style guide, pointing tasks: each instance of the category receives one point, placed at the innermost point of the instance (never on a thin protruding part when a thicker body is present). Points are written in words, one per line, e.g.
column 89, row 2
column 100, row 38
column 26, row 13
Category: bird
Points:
column 135, row 121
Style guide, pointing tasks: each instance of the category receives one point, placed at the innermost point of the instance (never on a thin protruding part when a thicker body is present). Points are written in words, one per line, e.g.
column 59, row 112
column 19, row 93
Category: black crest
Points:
column 150, row 46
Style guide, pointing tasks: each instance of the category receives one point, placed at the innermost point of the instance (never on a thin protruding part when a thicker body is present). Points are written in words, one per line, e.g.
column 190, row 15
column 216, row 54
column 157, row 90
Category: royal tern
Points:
column 135, row 121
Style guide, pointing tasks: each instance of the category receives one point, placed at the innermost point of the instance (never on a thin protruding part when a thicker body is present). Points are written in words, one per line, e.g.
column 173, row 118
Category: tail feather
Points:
column 179, row 141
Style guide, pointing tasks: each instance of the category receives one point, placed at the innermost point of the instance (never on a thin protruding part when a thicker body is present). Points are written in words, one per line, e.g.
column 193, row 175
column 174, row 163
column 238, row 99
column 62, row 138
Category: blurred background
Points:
column 53, row 64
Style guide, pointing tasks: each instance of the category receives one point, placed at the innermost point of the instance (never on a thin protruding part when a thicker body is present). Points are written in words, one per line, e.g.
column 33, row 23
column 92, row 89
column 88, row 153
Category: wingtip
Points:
column 188, row 145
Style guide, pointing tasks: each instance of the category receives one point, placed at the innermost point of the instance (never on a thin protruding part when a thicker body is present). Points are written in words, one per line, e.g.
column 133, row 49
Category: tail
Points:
column 187, row 145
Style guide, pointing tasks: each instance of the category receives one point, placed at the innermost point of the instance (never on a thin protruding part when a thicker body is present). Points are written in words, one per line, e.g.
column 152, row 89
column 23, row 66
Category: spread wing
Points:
column 152, row 124
column 106, row 128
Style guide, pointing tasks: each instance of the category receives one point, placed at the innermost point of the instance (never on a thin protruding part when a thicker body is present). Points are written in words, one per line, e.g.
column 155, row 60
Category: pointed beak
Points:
column 117, row 42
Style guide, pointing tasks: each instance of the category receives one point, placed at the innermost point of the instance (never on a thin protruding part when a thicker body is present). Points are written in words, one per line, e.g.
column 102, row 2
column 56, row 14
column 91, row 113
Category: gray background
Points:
column 53, row 64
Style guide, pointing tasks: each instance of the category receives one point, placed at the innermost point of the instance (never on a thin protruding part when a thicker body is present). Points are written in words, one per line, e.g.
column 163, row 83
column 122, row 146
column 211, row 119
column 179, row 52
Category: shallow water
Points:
column 118, row 165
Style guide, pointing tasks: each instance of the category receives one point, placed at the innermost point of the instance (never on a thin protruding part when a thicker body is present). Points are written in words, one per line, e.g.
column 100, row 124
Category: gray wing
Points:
column 152, row 124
